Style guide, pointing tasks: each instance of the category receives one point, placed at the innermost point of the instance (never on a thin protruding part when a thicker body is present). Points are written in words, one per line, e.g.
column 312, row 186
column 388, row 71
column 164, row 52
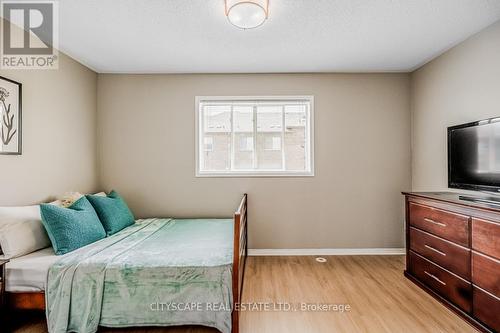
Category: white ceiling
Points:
column 194, row 36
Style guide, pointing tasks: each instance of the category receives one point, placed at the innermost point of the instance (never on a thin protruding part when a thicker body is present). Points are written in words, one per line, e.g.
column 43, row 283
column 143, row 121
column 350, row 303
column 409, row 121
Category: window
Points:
column 209, row 143
column 246, row 143
column 272, row 143
column 254, row 136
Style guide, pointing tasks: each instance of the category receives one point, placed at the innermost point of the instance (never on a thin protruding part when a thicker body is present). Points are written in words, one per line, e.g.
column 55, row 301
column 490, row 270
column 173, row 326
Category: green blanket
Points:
column 157, row 272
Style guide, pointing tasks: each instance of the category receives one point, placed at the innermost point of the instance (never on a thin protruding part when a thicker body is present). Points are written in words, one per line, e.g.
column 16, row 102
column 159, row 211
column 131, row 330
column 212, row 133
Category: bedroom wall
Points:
column 59, row 135
column 362, row 155
column 461, row 86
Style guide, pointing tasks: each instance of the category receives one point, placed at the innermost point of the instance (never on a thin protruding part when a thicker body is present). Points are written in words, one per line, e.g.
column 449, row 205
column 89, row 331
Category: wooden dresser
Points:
column 453, row 252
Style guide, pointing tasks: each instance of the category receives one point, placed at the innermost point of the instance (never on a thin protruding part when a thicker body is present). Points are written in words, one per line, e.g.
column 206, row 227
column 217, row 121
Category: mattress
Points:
column 29, row 273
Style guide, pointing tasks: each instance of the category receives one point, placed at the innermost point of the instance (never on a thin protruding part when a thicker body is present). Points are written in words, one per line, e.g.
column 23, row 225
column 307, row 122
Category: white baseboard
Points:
column 326, row 252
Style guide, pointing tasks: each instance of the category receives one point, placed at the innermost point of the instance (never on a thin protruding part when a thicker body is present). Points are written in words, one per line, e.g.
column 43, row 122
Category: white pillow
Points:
column 21, row 231
column 70, row 198
column 67, row 199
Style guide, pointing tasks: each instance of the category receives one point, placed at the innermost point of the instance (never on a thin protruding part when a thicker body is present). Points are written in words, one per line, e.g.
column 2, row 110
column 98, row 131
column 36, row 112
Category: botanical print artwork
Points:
column 10, row 117
column 7, row 129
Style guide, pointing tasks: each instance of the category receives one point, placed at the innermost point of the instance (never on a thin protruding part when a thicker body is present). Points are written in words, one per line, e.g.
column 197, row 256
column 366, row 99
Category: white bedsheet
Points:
column 29, row 273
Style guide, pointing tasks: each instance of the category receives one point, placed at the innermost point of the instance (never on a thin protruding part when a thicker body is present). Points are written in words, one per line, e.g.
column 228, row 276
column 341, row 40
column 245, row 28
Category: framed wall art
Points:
column 10, row 117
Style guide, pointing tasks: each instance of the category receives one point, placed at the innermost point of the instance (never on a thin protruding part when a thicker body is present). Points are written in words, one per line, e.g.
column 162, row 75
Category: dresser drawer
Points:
column 448, row 285
column 453, row 257
column 486, row 273
column 451, row 226
column 486, row 237
column 486, row 309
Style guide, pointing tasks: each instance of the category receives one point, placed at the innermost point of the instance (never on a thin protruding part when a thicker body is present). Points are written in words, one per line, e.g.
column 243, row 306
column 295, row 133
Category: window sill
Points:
column 268, row 174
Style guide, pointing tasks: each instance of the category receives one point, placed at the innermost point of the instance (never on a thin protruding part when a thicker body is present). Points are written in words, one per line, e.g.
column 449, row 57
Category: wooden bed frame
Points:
column 36, row 300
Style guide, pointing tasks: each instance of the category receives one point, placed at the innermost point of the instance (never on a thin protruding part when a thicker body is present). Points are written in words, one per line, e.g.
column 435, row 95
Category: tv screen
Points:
column 474, row 156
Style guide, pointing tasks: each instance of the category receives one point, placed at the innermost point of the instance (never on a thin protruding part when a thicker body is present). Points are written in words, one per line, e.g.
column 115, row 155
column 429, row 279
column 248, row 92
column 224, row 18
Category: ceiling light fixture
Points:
column 247, row 14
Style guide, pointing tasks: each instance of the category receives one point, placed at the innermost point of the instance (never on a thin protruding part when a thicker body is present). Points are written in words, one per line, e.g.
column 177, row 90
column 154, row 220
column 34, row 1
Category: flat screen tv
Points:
column 474, row 156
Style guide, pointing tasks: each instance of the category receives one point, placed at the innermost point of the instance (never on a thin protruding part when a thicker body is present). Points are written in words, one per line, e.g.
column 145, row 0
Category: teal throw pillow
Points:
column 112, row 211
column 73, row 227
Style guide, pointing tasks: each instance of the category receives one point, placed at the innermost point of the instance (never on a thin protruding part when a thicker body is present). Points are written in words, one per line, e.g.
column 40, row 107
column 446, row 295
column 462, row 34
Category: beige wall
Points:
column 463, row 85
column 362, row 153
column 59, row 135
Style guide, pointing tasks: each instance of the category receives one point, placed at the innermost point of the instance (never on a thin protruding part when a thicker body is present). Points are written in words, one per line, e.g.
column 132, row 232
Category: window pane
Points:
column 272, row 143
column 217, row 130
column 243, row 154
column 243, row 137
column 269, row 126
column 246, row 143
column 243, row 118
column 209, row 143
column 295, row 137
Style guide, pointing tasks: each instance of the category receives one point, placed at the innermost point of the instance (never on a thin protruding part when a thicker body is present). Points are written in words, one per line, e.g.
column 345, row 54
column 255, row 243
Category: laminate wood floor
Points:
column 380, row 299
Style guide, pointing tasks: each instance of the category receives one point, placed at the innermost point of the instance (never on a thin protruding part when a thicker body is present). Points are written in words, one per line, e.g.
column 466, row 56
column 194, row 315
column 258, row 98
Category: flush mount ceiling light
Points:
column 247, row 14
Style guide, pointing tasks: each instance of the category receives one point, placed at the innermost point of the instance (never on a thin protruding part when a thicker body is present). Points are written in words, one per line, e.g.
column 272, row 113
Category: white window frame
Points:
column 309, row 172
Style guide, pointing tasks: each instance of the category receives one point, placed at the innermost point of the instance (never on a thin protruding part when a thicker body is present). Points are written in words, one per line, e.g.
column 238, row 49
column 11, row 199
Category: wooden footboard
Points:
column 239, row 259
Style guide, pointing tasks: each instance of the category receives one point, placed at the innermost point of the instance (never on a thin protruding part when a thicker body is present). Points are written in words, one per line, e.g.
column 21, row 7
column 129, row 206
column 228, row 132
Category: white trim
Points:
column 326, row 252
column 255, row 173
column 252, row 98
column 244, row 174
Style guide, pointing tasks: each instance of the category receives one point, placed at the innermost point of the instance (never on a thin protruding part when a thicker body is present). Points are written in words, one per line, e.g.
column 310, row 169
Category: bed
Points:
column 158, row 272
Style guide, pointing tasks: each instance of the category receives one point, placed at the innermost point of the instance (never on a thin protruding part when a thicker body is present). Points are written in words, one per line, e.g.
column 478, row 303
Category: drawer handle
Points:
column 435, row 250
column 435, row 278
column 434, row 222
